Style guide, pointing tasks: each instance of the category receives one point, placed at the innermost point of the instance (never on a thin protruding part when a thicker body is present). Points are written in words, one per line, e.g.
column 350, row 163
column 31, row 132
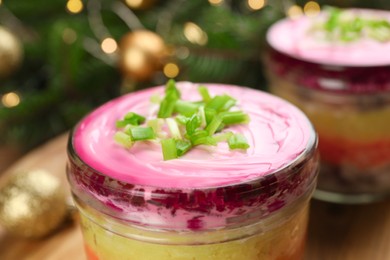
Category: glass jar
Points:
column 333, row 65
column 350, row 109
column 264, row 217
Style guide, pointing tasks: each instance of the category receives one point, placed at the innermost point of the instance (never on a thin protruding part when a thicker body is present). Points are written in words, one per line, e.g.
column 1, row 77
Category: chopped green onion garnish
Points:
column 202, row 137
column 218, row 103
column 156, row 124
column 190, row 123
column 173, row 128
column 222, row 137
column 209, row 114
column 123, row 139
column 130, row 118
column 166, row 108
column 204, row 92
column 238, row 141
column 186, row 108
column 168, row 104
column 182, row 146
column 169, row 149
column 182, row 119
column 142, row 133
column 202, row 116
column 214, row 125
column 347, row 27
column 234, row 117
column 171, row 90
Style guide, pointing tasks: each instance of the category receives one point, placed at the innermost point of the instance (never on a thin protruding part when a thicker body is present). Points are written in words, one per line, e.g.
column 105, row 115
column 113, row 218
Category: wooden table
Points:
column 335, row 231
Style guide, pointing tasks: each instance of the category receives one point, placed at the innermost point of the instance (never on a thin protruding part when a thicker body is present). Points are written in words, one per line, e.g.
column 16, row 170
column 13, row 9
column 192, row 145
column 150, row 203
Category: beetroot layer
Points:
column 193, row 209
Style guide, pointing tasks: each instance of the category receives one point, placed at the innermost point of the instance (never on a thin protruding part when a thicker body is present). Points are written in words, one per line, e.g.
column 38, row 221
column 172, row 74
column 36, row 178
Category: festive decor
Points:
column 140, row 4
column 11, row 52
column 32, row 204
column 141, row 54
column 87, row 52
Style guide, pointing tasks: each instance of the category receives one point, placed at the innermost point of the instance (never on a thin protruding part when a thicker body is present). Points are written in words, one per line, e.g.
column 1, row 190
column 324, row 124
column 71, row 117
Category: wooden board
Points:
column 336, row 232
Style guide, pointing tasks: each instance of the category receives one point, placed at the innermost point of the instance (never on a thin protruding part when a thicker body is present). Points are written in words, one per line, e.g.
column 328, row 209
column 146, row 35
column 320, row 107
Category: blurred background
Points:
column 61, row 58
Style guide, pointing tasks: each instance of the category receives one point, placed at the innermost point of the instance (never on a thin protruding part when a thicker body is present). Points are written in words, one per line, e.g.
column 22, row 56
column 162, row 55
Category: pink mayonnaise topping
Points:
column 278, row 133
column 295, row 38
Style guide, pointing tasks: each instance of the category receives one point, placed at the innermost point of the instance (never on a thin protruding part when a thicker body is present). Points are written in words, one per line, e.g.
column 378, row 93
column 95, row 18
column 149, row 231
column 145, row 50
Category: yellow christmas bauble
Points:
column 11, row 52
column 140, row 4
column 141, row 54
column 32, row 204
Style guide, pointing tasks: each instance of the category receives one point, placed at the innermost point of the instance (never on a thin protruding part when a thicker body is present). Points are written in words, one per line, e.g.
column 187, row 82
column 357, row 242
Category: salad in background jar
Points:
column 336, row 68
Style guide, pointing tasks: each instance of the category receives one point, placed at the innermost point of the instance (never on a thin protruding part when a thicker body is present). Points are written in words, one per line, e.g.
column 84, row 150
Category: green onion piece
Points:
column 121, row 123
column 229, row 104
column 166, row 108
column 202, row 117
column 186, row 108
column 156, row 124
column 222, row 137
column 234, row 117
column 207, row 140
column 214, row 125
column 123, row 139
column 219, row 102
column 380, row 30
column 182, row 146
column 171, row 90
column 204, row 92
column 169, row 149
column 220, row 128
column 182, row 119
column 209, row 114
column 192, row 124
column 333, row 19
column 202, row 137
column 238, row 141
column 142, row 133
column 173, row 128
column 130, row 118
column 167, row 105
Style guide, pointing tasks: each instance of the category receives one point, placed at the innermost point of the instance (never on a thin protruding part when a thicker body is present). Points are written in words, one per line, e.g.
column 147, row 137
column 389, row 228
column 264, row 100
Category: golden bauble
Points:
column 140, row 4
column 11, row 52
column 142, row 54
column 32, row 204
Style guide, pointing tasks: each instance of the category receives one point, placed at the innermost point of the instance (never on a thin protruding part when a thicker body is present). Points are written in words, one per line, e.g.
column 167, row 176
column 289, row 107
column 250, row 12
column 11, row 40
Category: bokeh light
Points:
column 69, row 36
column 311, row 9
column 134, row 59
column 195, row 34
column 109, row 45
column 256, row 4
column 134, row 3
column 294, row 12
column 10, row 99
column 212, row 2
column 171, row 70
column 74, row 6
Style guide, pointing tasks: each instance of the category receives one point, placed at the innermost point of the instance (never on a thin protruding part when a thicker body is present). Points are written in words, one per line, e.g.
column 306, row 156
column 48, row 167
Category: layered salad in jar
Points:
column 194, row 171
column 336, row 68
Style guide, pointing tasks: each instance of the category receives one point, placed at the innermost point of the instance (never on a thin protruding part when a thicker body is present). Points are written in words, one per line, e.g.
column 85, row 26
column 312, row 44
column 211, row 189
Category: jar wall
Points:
column 106, row 238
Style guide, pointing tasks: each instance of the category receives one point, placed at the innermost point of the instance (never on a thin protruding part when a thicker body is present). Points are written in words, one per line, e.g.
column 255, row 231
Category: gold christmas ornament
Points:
column 11, row 52
column 32, row 204
column 140, row 4
column 141, row 54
